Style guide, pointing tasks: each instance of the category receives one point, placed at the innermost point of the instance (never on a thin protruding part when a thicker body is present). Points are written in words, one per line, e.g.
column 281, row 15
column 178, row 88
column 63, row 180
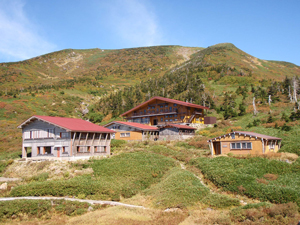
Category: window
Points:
column 166, row 105
column 171, row 116
column 170, row 108
column 63, row 135
column 241, row 145
column 50, row 133
column 100, row 149
column 182, row 117
column 167, row 120
column 175, row 104
column 166, row 116
column 47, row 150
column 161, row 106
column 171, row 120
column 161, row 119
column 232, row 136
column 175, row 119
column 124, row 134
column 271, row 145
column 175, row 115
column 82, row 149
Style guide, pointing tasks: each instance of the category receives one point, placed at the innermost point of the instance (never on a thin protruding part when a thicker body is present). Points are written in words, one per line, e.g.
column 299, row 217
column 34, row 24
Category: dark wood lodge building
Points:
column 162, row 111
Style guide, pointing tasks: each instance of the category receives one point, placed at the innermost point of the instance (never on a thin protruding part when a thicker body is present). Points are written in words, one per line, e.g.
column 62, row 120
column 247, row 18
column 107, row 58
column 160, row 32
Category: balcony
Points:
column 155, row 112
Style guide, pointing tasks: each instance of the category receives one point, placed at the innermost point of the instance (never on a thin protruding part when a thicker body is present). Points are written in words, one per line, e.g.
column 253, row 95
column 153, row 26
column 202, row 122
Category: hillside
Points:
column 66, row 82
column 100, row 84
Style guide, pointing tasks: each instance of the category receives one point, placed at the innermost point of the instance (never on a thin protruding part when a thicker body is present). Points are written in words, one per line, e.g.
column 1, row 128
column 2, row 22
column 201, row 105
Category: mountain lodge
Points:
column 63, row 138
column 161, row 111
column 244, row 142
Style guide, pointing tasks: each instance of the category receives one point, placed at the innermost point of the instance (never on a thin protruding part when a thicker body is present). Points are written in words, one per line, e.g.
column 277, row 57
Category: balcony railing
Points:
column 154, row 112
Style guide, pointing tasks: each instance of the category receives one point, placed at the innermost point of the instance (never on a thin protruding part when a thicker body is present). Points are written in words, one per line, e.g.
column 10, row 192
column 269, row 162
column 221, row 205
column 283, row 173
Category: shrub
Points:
column 244, row 176
column 117, row 143
column 178, row 188
column 125, row 174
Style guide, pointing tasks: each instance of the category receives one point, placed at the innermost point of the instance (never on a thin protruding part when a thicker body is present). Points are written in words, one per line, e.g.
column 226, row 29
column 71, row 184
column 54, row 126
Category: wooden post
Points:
column 93, row 139
column 99, row 142
column 87, row 135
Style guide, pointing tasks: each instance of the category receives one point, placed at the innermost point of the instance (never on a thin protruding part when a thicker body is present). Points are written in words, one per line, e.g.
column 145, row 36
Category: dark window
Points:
column 232, row 136
column 249, row 145
column 161, row 119
column 175, row 104
column 170, row 108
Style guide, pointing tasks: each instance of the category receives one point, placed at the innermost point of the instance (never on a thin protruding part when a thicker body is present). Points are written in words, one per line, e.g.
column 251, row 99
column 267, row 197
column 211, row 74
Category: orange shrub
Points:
column 2, row 105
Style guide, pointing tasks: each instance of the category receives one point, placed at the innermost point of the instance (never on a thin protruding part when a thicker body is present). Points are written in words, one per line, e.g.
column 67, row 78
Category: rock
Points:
column 209, row 209
column 288, row 161
column 90, row 208
column 3, row 186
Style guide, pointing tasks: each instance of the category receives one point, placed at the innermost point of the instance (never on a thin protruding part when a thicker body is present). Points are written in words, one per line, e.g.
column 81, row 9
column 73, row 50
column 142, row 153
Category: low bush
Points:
column 125, row 174
column 117, row 143
column 246, row 176
column 263, row 211
column 220, row 201
column 178, row 188
column 39, row 208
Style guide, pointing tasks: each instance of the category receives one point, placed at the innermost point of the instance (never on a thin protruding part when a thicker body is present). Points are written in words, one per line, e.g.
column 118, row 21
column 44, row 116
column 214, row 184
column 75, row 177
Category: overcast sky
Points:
column 267, row 29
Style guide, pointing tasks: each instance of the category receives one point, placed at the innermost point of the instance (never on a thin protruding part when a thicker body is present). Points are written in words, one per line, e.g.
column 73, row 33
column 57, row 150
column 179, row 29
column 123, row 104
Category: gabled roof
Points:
column 135, row 125
column 248, row 133
column 166, row 100
column 186, row 127
column 69, row 124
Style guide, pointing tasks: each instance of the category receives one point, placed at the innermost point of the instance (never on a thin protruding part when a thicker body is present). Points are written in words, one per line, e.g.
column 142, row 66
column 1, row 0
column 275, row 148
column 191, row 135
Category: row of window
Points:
column 161, row 106
column 241, row 145
column 49, row 133
column 87, row 149
column 124, row 134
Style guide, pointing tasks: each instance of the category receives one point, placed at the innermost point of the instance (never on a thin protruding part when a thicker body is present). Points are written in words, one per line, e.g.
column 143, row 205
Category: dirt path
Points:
column 74, row 199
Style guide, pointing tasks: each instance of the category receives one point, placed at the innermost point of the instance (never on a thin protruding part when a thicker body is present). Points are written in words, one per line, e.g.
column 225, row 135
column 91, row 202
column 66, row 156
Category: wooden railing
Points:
column 151, row 112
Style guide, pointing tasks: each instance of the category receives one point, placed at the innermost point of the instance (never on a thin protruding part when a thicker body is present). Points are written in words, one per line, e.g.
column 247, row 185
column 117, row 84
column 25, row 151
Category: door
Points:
column 155, row 122
column 217, row 148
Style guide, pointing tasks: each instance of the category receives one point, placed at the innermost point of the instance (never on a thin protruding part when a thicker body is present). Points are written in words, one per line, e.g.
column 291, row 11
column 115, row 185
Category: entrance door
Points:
column 217, row 147
column 155, row 122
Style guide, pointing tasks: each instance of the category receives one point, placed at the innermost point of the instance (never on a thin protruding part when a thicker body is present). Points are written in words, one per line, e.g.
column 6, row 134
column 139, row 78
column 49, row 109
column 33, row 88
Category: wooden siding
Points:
column 134, row 135
column 62, row 143
column 258, row 146
column 158, row 111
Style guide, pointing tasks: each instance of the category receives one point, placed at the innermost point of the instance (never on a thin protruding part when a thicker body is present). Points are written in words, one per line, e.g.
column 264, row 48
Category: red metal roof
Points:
column 186, row 127
column 167, row 100
column 70, row 124
column 248, row 133
column 136, row 125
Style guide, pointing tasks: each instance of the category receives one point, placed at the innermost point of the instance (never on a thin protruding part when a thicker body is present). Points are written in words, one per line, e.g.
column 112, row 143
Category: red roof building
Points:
column 133, row 131
column 161, row 111
column 59, row 137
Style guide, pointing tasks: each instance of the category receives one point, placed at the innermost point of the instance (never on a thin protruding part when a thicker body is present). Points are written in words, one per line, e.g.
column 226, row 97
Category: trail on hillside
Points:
column 74, row 199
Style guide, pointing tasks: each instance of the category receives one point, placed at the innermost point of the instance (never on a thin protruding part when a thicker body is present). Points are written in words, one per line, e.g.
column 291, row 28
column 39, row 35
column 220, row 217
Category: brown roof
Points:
column 249, row 133
column 180, row 126
column 135, row 125
column 70, row 124
column 167, row 100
